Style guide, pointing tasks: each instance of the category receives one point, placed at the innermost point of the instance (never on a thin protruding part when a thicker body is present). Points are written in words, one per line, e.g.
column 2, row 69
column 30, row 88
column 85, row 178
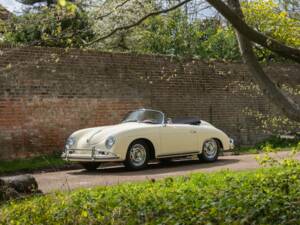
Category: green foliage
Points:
column 30, row 164
column 272, row 144
column 169, row 34
column 221, row 44
column 52, row 26
column 174, row 34
column 267, row 17
column 265, row 196
column 276, row 142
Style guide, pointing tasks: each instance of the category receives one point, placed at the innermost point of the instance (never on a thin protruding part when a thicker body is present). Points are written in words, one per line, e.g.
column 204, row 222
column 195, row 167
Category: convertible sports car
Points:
column 144, row 135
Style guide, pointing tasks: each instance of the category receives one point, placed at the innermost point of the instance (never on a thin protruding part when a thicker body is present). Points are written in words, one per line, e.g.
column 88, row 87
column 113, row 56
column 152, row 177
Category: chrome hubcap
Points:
column 210, row 148
column 138, row 155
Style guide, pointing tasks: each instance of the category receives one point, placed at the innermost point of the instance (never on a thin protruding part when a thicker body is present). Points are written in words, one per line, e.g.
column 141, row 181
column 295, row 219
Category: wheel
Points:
column 90, row 166
column 210, row 151
column 137, row 155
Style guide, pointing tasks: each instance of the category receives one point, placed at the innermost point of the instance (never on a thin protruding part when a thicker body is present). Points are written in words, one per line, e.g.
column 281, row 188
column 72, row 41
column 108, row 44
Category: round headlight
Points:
column 110, row 141
column 70, row 142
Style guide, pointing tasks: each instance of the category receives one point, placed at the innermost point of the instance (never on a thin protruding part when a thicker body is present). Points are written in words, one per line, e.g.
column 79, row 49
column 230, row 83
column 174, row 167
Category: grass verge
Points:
column 32, row 164
column 273, row 143
column 263, row 196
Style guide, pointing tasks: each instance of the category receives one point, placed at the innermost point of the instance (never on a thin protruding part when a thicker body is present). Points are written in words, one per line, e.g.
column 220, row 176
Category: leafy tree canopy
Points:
column 269, row 18
column 174, row 33
column 51, row 26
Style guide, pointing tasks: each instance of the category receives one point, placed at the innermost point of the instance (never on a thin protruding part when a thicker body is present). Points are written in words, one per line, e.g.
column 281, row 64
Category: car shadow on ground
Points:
column 157, row 168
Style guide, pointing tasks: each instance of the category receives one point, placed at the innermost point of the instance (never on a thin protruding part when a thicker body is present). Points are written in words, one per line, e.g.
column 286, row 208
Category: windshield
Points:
column 145, row 116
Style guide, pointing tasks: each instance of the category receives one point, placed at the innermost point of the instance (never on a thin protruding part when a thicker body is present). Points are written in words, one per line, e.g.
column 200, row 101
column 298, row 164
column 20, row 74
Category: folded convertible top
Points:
column 187, row 120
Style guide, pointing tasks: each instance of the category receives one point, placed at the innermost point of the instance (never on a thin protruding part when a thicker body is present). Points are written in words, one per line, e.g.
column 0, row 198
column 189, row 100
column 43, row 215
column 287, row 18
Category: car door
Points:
column 178, row 139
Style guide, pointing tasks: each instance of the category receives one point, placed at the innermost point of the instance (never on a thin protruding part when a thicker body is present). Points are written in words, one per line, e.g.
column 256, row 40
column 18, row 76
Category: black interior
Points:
column 186, row 120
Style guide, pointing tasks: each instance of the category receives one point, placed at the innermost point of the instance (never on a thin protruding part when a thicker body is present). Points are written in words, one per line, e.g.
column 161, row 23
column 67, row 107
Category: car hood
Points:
column 92, row 136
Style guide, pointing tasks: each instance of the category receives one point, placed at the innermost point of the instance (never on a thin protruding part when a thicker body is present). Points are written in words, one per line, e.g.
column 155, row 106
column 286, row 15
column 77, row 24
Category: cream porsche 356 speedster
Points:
column 145, row 135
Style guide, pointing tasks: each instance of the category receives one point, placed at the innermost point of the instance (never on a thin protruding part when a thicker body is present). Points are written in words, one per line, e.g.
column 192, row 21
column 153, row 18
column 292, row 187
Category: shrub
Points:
column 272, row 144
column 264, row 196
column 50, row 26
column 276, row 142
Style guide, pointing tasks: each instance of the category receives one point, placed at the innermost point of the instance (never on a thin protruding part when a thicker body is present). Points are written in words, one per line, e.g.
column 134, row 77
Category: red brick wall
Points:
column 47, row 93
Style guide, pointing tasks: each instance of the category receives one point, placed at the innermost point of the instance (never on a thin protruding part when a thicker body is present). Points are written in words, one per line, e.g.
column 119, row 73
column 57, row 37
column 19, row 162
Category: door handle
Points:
column 193, row 131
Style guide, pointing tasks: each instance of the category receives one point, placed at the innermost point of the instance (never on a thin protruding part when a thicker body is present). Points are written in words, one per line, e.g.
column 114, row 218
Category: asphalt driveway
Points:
column 115, row 174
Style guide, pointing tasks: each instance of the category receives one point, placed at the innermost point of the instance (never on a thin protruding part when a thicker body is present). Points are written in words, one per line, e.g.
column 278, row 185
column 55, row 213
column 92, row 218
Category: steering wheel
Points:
column 147, row 121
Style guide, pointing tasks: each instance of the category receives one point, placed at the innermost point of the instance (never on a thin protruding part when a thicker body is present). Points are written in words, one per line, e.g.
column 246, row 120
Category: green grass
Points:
column 263, row 196
column 31, row 164
column 273, row 143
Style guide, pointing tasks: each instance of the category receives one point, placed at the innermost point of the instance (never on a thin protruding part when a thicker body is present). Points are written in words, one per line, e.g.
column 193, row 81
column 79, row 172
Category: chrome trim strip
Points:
column 178, row 154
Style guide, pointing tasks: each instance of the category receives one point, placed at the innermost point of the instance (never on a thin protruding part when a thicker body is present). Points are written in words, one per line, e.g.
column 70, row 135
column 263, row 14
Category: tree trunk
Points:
column 287, row 106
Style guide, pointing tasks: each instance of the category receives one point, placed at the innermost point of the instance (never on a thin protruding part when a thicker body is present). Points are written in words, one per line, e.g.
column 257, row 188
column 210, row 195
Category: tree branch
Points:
column 253, row 35
column 127, row 27
column 109, row 13
column 286, row 105
column 234, row 19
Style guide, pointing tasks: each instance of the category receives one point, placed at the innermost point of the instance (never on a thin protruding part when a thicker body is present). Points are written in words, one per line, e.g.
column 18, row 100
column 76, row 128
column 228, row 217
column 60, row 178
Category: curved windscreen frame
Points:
column 146, row 116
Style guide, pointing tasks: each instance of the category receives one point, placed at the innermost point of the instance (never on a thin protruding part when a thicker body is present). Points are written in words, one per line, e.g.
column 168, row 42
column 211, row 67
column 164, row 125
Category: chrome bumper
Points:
column 88, row 155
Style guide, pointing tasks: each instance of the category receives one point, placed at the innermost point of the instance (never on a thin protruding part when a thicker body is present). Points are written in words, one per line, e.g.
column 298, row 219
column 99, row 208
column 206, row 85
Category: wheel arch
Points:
column 219, row 142
column 150, row 145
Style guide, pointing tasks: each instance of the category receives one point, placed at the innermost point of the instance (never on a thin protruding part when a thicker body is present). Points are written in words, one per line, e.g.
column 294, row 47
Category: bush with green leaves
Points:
column 175, row 34
column 276, row 143
column 272, row 144
column 264, row 196
column 56, row 26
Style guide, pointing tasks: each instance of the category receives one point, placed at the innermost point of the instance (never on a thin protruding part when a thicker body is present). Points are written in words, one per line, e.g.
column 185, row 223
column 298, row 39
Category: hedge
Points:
column 264, row 196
